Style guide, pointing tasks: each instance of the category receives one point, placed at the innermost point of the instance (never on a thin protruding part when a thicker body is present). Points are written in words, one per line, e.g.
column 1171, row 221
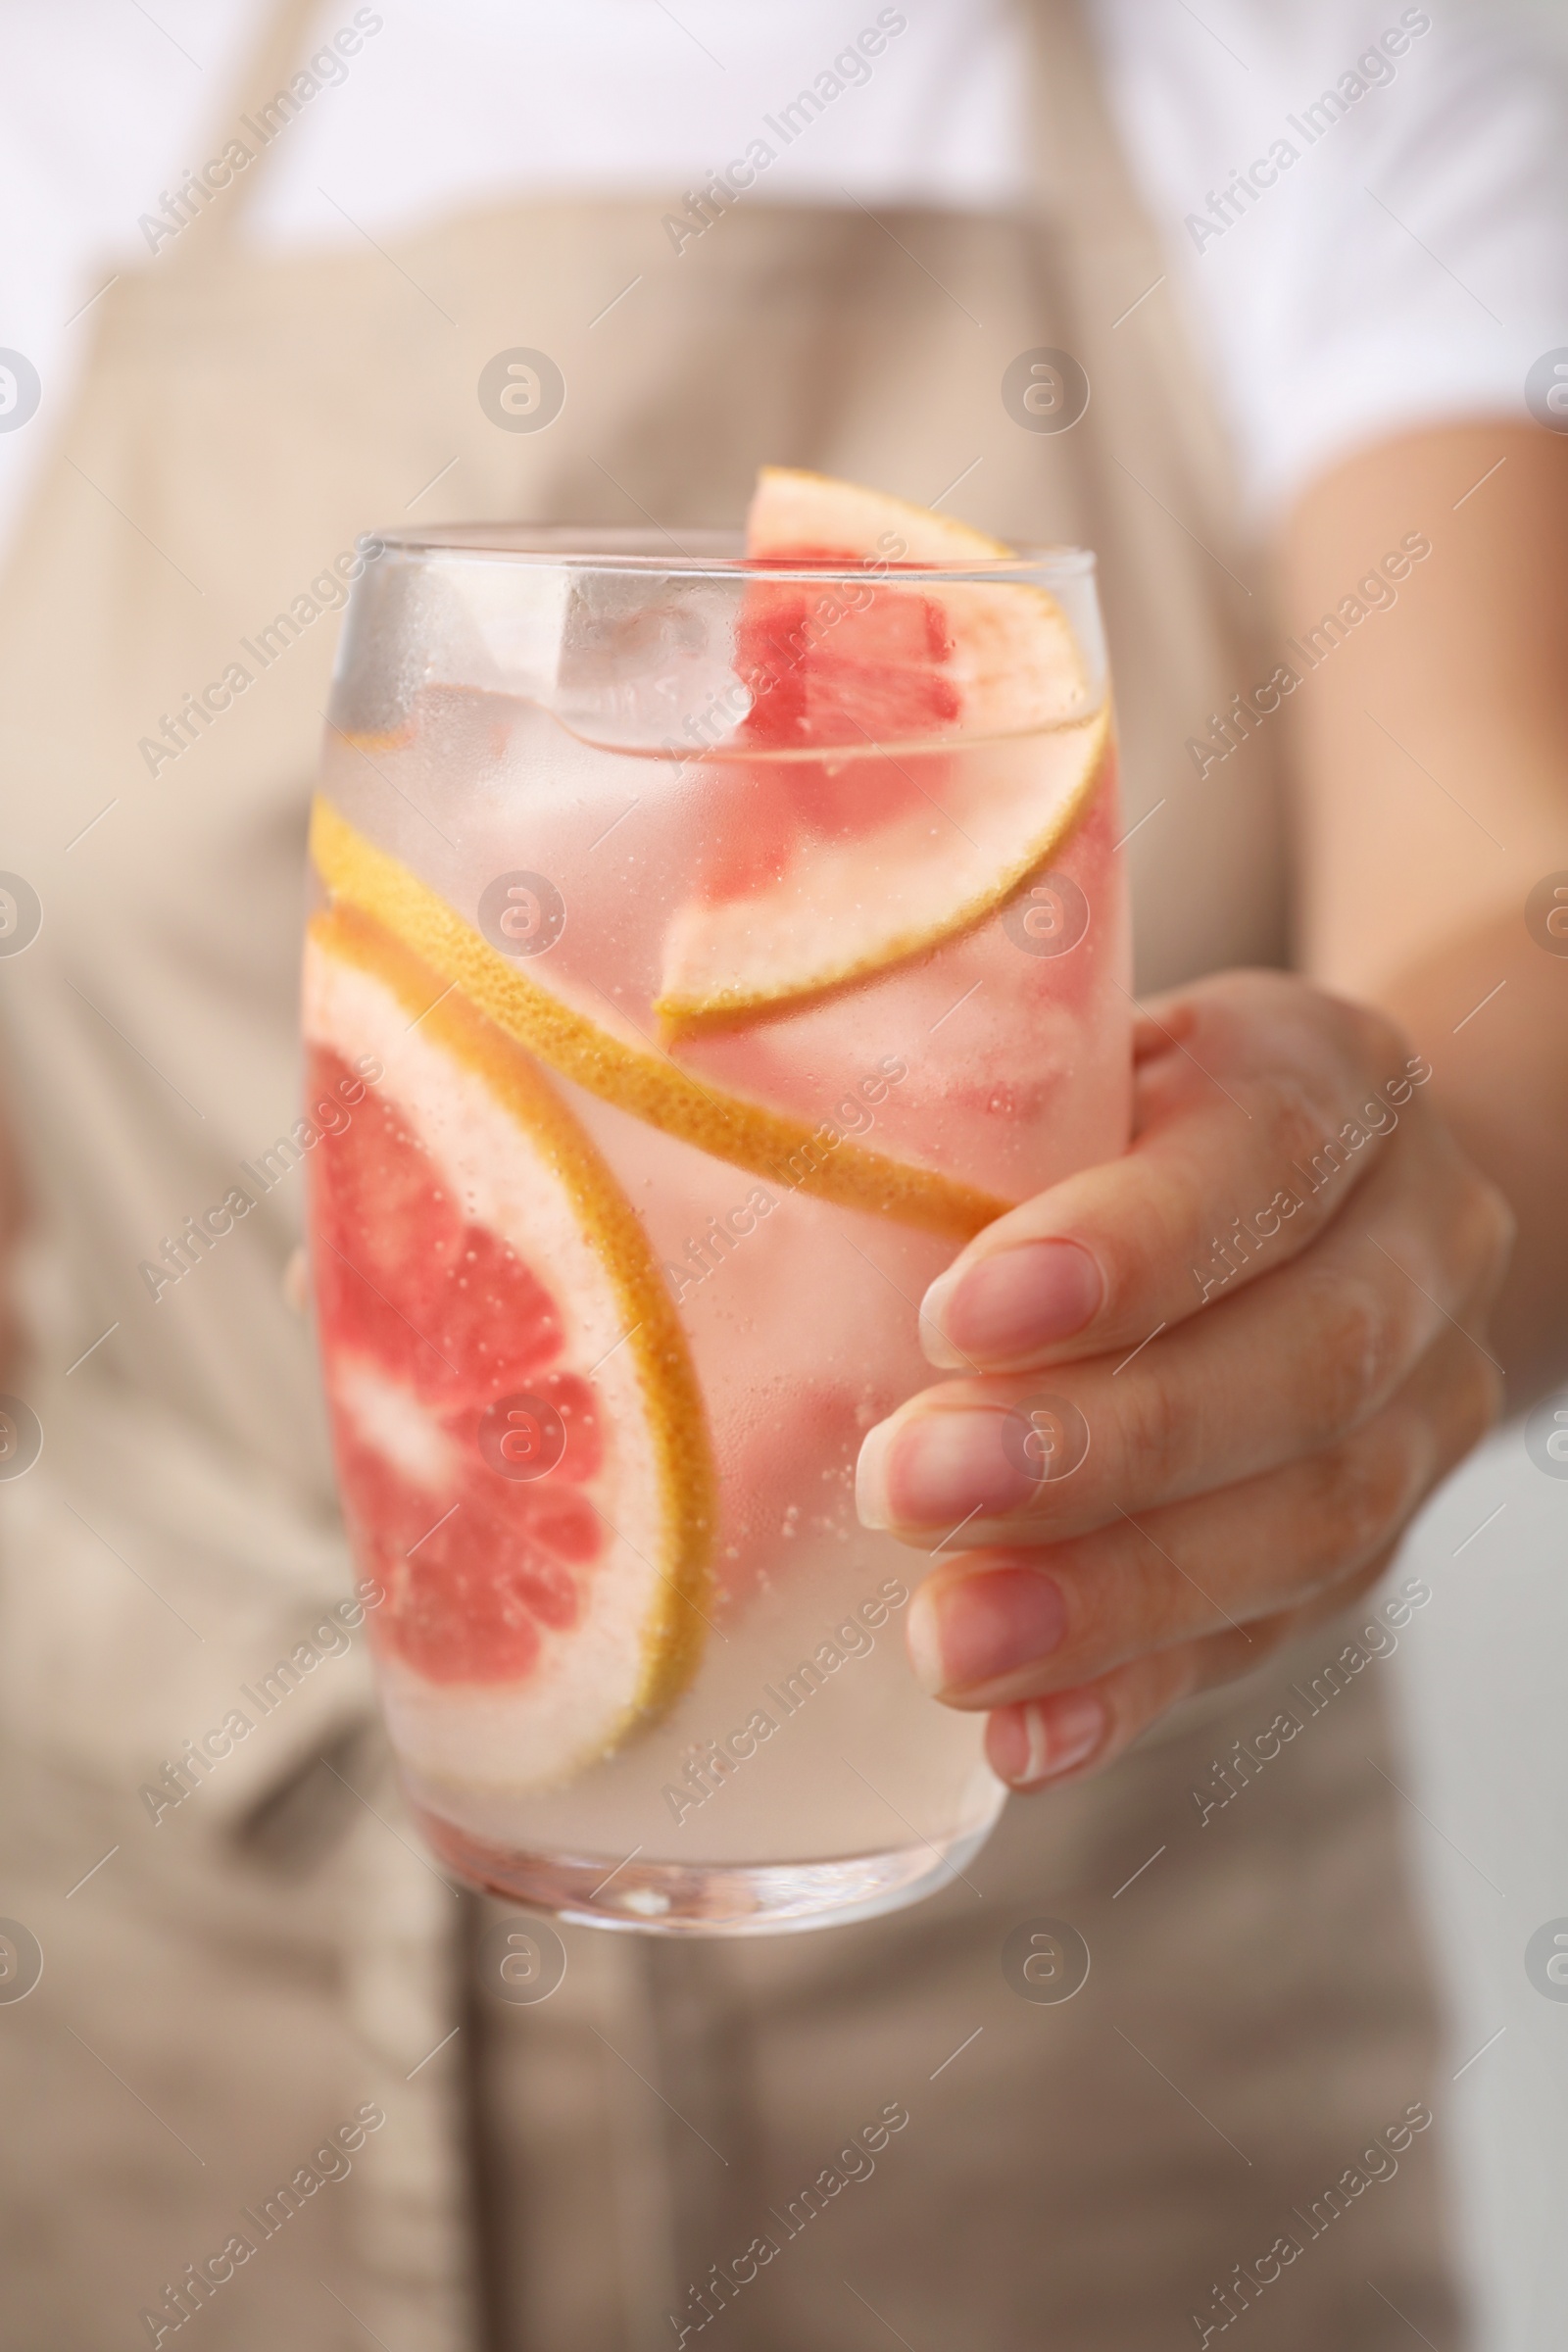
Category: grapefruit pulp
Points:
column 521, row 1442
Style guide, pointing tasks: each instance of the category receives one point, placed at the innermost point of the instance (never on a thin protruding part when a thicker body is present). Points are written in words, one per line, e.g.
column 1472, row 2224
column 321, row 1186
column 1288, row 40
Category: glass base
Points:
column 710, row 1899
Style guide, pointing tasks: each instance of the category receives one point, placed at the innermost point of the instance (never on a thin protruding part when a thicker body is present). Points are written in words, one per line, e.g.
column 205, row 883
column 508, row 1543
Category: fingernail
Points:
column 1044, row 1738
column 1010, row 1303
column 938, row 1468
column 984, row 1626
column 871, row 1477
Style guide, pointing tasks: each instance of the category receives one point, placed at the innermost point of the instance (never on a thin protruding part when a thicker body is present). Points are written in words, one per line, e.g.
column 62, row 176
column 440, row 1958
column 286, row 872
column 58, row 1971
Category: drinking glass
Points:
column 696, row 961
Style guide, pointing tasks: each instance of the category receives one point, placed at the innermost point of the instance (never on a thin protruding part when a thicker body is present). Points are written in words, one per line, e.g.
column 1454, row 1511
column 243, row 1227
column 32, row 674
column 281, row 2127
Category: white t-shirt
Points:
column 1363, row 203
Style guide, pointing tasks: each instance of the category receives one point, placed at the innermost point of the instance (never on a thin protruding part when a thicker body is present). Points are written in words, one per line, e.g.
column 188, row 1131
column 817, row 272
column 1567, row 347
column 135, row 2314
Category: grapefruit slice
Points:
column 933, row 741
column 521, row 1442
column 974, row 657
column 626, row 1070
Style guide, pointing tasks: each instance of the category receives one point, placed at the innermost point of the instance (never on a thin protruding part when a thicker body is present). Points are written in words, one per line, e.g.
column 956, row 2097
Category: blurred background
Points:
column 1480, row 1684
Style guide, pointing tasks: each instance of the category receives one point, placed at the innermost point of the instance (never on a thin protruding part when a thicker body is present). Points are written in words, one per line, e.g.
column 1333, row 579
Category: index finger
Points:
column 1266, row 1110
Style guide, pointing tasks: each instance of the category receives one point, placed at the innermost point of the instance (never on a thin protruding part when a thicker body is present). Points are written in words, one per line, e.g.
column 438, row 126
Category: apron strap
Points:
column 278, row 53
column 1155, row 390
column 1078, row 161
column 1184, row 578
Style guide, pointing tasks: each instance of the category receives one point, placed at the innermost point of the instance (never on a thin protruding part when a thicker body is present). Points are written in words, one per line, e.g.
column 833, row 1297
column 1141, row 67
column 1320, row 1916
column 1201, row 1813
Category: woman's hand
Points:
column 1267, row 1323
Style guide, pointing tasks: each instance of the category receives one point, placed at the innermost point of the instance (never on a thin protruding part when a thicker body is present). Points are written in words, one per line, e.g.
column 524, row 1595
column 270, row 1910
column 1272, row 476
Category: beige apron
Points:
column 230, row 1978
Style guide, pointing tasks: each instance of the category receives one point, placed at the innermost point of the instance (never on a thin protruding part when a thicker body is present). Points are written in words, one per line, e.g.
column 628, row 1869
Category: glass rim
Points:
column 702, row 554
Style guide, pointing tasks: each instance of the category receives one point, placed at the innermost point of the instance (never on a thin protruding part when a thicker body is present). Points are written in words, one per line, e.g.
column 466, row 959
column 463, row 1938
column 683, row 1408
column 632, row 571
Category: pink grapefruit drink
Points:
column 705, row 946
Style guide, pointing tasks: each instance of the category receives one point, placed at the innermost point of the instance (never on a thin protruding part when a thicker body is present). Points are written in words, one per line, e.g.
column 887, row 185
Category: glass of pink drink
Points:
column 707, row 943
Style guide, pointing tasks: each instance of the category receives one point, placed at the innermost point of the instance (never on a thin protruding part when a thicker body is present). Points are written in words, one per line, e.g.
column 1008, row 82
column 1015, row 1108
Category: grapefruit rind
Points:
column 847, row 908
column 365, row 990
column 814, row 911
column 633, row 1077
column 367, row 740
column 793, row 510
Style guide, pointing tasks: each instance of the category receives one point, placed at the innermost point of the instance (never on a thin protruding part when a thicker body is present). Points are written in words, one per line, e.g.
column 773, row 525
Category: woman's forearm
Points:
column 1489, row 1010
